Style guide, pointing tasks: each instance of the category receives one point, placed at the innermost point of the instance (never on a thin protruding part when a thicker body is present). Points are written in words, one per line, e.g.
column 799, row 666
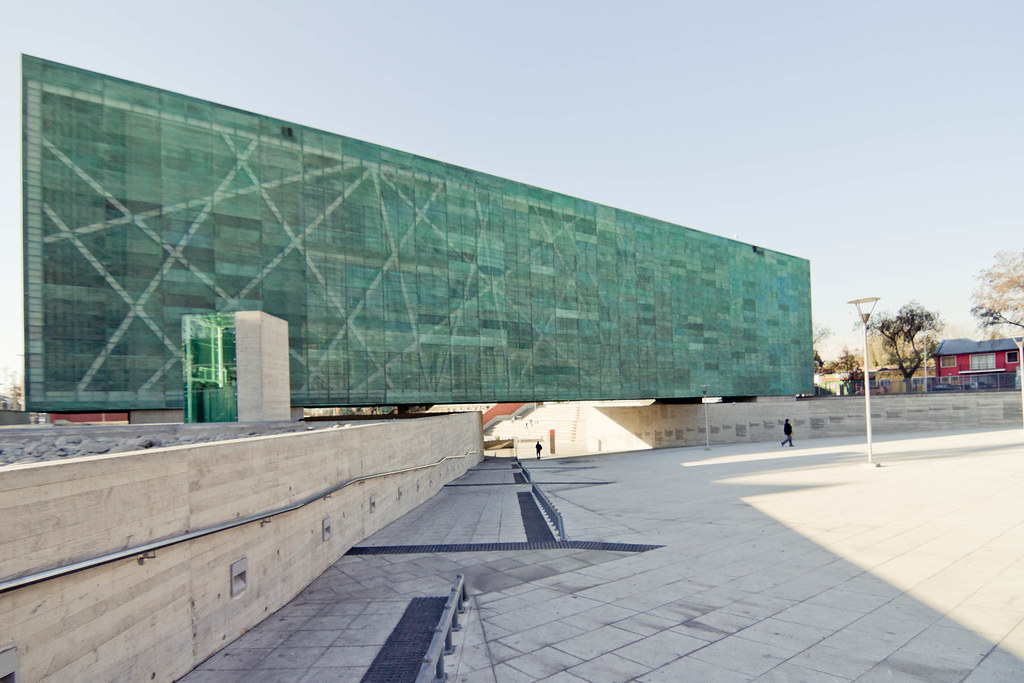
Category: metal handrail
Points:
column 553, row 514
column 552, row 511
column 143, row 551
column 432, row 669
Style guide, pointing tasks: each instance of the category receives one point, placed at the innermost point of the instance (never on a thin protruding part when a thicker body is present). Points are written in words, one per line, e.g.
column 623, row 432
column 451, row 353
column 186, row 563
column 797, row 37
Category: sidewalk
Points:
column 775, row 565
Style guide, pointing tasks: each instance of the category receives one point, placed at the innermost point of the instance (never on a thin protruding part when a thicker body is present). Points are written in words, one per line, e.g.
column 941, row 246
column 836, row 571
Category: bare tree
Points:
column 904, row 336
column 999, row 298
column 819, row 334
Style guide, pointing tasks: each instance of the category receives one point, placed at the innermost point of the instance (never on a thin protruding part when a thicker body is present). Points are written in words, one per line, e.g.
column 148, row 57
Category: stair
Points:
column 565, row 418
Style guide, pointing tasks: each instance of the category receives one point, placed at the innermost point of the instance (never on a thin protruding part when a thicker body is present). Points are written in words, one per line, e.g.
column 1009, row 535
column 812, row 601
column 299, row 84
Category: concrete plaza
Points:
column 795, row 564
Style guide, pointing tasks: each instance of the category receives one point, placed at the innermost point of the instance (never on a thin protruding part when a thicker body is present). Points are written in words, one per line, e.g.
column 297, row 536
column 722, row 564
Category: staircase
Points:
column 567, row 419
column 504, row 411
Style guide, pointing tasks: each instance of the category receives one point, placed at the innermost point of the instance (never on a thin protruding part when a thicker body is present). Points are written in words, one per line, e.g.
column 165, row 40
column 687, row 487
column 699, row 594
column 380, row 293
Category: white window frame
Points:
column 983, row 361
column 1012, row 356
column 947, row 362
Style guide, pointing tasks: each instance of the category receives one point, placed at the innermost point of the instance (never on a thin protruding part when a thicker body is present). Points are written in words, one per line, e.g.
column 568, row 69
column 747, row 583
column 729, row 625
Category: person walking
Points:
column 539, row 449
column 787, row 429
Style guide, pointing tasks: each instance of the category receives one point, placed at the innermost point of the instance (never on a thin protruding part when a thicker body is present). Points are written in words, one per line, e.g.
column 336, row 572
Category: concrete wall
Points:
column 630, row 428
column 156, row 618
column 14, row 417
column 169, row 416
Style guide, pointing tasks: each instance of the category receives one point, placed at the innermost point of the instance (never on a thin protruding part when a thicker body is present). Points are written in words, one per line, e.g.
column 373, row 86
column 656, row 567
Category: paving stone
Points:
column 912, row 669
column 349, row 656
column 741, row 655
column 840, row 661
column 506, row 673
column 788, row 672
column 609, row 668
column 236, row 659
column 203, row 676
column 544, row 662
column 597, row 642
column 951, row 644
column 761, row 573
column 785, row 636
column 335, row 674
column 291, row 658
column 283, row 675
column 311, row 639
column 810, row 614
column 690, row 669
column 535, row 639
column 563, row 677
column 599, row 616
column 646, row 624
column 998, row 666
column 660, row 648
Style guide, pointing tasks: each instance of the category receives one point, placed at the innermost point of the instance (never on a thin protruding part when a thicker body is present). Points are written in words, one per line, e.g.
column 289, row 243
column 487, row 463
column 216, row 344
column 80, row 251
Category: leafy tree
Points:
column 848, row 361
column 904, row 336
column 999, row 298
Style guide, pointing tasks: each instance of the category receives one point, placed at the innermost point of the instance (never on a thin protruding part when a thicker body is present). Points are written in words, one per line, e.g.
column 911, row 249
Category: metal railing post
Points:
column 432, row 669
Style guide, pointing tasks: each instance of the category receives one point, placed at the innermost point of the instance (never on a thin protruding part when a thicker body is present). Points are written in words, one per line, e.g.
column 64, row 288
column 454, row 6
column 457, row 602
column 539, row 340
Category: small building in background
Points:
column 969, row 364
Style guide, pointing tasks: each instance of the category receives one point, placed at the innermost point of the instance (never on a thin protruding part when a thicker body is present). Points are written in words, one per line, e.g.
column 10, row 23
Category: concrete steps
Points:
column 566, row 419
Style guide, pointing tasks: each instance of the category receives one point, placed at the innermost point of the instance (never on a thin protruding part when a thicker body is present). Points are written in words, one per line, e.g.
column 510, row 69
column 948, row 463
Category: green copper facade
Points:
column 403, row 279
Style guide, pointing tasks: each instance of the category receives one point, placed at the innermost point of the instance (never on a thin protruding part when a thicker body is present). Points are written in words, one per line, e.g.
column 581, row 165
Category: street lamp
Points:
column 867, row 376
column 1019, row 341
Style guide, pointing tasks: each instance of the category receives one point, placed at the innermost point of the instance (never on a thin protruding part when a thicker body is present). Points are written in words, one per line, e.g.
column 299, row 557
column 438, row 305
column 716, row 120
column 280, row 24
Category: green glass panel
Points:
column 210, row 370
column 403, row 279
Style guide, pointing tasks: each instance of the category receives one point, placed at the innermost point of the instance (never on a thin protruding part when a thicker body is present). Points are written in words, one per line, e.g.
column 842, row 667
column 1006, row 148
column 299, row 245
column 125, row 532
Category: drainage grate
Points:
column 519, row 479
column 497, row 547
column 536, row 525
column 400, row 658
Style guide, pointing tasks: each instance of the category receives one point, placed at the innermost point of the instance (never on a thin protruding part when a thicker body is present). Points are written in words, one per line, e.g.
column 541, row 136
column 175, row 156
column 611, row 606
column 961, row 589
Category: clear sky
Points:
column 883, row 141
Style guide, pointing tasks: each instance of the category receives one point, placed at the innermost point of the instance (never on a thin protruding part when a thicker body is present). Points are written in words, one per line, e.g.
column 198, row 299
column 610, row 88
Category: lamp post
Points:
column 707, row 429
column 1019, row 341
column 867, row 375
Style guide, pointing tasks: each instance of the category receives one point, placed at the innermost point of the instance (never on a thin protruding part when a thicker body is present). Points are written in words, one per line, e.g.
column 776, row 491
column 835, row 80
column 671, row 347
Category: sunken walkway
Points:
column 742, row 563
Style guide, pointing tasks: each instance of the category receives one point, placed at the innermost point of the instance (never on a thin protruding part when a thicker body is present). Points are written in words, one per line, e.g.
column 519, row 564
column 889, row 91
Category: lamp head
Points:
column 864, row 302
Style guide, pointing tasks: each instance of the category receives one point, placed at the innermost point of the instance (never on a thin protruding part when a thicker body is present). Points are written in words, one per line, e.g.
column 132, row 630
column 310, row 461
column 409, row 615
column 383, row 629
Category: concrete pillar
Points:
column 262, row 367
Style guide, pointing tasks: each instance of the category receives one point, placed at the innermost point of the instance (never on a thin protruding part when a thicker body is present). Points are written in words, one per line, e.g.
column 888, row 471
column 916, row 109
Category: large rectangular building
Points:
column 403, row 280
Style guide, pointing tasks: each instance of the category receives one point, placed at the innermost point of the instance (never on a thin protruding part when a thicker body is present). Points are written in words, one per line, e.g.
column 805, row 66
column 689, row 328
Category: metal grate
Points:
column 493, row 547
column 536, row 525
column 400, row 658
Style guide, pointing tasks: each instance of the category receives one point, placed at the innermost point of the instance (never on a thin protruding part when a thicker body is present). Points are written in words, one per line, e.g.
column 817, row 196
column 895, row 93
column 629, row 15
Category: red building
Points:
column 990, row 364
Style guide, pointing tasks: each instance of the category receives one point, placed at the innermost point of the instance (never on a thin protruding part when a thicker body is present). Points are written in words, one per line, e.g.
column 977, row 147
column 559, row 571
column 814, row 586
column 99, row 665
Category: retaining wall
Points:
column 654, row 426
column 155, row 618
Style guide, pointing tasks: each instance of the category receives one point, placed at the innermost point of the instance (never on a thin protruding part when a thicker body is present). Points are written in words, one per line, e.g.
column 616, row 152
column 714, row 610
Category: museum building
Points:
column 403, row 280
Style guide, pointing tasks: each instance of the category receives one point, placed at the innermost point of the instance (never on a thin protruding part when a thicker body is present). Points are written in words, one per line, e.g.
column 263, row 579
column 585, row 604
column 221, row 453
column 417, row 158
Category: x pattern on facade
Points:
column 403, row 279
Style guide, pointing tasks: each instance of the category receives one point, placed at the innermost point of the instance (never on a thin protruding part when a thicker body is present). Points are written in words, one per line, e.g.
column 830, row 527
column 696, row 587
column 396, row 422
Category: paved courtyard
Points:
column 795, row 564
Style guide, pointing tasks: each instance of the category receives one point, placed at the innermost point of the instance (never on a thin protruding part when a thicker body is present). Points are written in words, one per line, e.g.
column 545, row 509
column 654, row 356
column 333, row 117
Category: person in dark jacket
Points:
column 787, row 429
column 539, row 449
